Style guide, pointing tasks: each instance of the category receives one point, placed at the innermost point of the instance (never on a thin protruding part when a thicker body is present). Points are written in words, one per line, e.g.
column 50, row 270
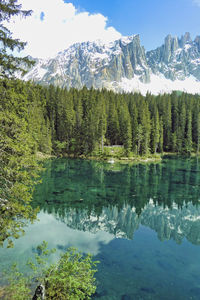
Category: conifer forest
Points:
column 77, row 122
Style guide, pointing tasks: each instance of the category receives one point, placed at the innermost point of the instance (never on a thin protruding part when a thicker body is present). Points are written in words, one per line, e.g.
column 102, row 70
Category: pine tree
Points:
column 17, row 160
column 113, row 123
column 155, row 130
column 181, row 127
column 134, row 123
column 188, row 141
column 160, row 145
column 9, row 64
column 139, row 138
column 77, row 141
column 65, row 119
column 167, row 122
column 146, row 125
column 125, row 128
column 52, row 96
column 102, row 122
column 198, row 132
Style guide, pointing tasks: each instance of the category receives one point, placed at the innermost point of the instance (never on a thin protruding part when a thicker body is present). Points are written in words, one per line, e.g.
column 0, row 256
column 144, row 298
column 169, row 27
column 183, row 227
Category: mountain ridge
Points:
column 124, row 66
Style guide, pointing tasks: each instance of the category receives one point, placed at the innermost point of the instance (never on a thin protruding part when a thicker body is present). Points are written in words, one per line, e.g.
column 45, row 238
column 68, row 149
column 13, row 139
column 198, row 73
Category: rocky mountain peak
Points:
column 124, row 65
column 186, row 38
column 197, row 41
column 177, row 58
column 94, row 64
column 170, row 46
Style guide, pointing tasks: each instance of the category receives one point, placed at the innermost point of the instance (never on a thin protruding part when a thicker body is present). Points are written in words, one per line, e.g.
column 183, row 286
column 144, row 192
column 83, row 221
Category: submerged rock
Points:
column 147, row 290
column 125, row 297
column 100, row 294
column 195, row 291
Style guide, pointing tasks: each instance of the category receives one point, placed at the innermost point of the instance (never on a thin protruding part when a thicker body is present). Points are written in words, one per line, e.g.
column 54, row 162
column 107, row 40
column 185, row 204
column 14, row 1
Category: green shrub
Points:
column 71, row 278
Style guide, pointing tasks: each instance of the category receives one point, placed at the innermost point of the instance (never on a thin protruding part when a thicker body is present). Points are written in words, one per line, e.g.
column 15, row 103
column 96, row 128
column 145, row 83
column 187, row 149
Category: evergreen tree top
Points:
column 10, row 64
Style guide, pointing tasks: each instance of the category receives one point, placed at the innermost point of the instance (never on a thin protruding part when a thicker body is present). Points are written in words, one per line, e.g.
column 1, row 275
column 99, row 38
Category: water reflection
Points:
column 120, row 213
column 94, row 196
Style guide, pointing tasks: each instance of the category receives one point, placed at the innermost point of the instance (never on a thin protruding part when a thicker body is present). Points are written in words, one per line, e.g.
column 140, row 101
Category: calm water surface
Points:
column 141, row 222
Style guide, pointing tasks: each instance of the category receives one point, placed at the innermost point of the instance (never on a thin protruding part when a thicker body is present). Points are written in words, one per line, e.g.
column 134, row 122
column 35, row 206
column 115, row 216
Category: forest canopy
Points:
column 76, row 122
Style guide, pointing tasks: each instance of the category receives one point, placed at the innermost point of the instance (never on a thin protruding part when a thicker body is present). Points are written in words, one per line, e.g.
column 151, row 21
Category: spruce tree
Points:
column 78, row 122
column 134, row 124
column 146, row 125
column 125, row 128
column 102, row 122
column 155, row 131
column 167, row 122
column 188, row 140
column 139, row 138
column 17, row 160
column 10, row 64
column 160, row 145
column 113, row 123
column 198, row 132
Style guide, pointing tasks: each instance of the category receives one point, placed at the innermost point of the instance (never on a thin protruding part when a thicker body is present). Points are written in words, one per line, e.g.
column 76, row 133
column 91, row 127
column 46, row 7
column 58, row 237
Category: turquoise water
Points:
column 141, row 222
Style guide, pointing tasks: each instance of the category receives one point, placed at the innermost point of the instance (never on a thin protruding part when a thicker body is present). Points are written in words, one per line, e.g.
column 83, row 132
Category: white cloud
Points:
column 60, row 26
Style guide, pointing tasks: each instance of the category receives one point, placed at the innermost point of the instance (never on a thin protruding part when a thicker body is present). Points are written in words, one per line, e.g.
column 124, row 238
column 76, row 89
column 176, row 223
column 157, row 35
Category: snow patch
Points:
column 196, row 61
column 187, row 46
column 160, row 85
column 127, row 39
column 178, row 51
column 37, row 73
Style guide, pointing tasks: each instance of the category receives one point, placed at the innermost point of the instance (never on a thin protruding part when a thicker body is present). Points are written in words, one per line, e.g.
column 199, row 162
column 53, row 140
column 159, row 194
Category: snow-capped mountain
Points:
column 123, row 65
column 177, row 58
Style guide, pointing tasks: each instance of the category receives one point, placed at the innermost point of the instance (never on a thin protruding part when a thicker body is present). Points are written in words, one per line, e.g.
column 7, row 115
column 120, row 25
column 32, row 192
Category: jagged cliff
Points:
column 177, row 58
column 94, row 64
column 123, row 65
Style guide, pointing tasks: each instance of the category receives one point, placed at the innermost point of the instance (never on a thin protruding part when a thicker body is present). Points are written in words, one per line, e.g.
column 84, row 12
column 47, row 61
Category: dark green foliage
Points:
column 155, row 136
column 198, row 132
column 17, row 162
column 78, row 122
column 9, row 64
column 82, row 121
column 20, row 137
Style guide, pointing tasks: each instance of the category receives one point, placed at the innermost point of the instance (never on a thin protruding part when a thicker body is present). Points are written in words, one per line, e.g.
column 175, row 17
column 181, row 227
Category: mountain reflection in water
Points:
column 95, row 196
column 142, row 222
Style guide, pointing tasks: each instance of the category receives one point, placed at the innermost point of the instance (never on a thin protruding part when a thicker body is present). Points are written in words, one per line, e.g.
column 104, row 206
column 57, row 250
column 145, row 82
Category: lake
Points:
column 142, row 222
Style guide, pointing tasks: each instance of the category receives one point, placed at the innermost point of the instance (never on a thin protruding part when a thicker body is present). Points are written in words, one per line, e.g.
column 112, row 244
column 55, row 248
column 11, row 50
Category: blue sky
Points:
column 57, row 24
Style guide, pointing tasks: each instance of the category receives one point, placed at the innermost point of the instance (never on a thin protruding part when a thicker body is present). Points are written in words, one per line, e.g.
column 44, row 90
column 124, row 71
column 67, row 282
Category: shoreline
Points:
column 151, row 158
column 119, row 159
column 125, row 160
